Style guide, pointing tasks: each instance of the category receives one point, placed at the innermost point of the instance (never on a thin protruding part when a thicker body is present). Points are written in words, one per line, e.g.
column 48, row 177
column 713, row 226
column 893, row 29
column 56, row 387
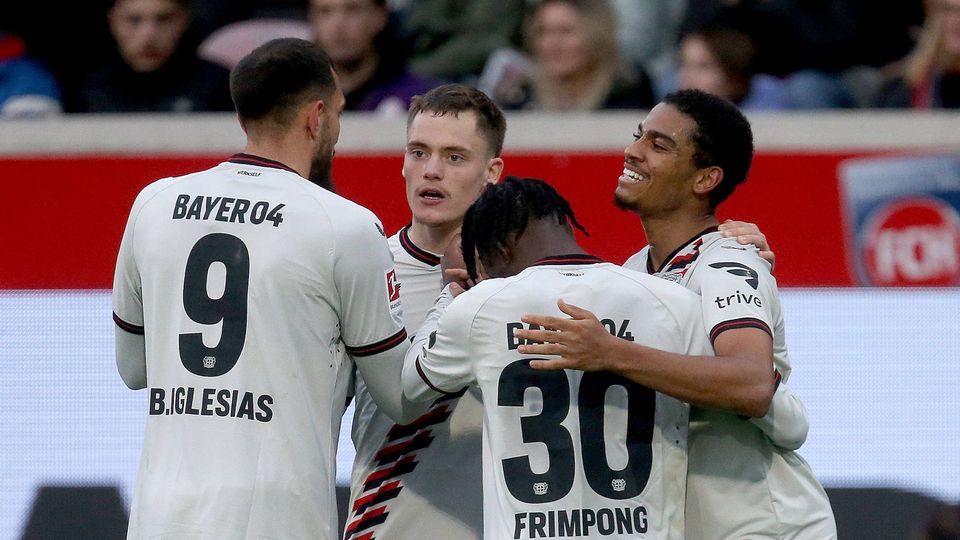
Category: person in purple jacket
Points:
column 372, row 67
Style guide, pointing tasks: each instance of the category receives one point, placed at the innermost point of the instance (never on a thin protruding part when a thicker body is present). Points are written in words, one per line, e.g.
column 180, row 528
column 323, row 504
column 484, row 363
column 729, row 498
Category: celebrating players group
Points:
column 507, row 383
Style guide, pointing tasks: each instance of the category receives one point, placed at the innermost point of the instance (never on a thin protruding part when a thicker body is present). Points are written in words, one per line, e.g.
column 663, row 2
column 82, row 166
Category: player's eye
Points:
column 456, row 158
column 637, row 135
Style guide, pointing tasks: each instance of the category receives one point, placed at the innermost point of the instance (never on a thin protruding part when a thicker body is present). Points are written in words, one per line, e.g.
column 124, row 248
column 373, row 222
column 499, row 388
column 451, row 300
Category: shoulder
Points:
column 345, row 217
column 664, row 290
column 724, row 260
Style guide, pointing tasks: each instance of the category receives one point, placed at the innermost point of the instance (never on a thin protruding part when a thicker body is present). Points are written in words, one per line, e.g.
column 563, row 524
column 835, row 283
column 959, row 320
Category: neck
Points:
column 291, row 151
column 666, row 234
column 433, row 238
column 544, row 238
column 355, row 73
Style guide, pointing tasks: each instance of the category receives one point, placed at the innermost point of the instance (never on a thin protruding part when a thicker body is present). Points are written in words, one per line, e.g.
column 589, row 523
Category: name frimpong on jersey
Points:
column 211, row 402
column 582, row 522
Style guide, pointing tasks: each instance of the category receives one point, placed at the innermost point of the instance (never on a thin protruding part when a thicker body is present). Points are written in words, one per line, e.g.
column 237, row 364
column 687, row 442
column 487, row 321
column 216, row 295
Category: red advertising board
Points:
column 64, row 216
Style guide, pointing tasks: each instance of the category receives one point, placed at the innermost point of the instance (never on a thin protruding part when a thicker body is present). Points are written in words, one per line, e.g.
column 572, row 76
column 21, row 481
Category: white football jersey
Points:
column 246, row 280
column 739, row 484
column 568, row 453
column 422, row 480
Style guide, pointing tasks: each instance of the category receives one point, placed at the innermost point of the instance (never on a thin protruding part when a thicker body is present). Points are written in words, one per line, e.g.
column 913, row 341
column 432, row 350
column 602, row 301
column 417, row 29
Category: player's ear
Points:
column 709, row 179
column 312, row 112
column 494, row 170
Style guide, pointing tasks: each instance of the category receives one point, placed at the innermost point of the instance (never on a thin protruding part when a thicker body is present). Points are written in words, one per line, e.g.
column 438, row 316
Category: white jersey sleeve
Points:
column 128, row 300
column 736, row 292
column 371, row 318
column 441, row 364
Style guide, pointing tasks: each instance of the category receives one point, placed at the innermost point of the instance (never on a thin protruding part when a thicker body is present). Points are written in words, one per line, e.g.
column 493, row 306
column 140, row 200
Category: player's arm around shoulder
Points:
column 439, row 359
column 737, row 294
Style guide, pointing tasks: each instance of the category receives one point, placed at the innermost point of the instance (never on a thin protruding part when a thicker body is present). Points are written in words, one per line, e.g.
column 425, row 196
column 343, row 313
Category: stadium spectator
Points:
column 721, row 60
column 648, row 32
column 154, row 68
column 577, row 64
column 929, row 77
column 27, row 89
column 241, row 434
column 825, row 51
column 688, row 156
column 451, row 39
column 368, row 58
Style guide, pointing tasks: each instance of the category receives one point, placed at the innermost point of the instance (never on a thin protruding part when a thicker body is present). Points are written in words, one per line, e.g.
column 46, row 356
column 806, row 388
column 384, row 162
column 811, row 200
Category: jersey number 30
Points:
column 530, row 487
column 230, row 307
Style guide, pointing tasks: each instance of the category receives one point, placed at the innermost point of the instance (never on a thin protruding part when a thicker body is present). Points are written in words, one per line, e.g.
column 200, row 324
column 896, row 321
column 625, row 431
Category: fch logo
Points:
column 902, row 218
column 913, row 241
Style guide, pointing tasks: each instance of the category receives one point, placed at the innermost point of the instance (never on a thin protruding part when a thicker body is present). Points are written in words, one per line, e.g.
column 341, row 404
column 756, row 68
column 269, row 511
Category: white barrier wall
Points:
column 877, row 368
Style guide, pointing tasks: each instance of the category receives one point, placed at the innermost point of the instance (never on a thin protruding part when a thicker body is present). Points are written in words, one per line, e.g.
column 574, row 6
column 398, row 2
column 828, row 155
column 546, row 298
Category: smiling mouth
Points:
column 632, row 176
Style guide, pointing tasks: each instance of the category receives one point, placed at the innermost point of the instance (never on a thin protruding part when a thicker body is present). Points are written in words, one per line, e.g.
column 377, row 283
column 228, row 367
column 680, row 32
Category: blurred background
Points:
column 856, row 183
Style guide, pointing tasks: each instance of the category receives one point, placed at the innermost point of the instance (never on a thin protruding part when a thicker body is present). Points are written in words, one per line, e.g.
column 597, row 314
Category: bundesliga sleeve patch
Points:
column 393, row 286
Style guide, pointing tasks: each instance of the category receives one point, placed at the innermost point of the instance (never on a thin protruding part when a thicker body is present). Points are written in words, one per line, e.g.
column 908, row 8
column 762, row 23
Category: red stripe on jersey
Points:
column 392, row 453
column 436, row 415
column 376, row 478
column 423, row 376
column 250, row 159
column 576, row 258
column 127, row 327
column 380, row 346
column 746, row 322
column 365, row 536
column 386, row 492
column 367, row 520
column 415, row 251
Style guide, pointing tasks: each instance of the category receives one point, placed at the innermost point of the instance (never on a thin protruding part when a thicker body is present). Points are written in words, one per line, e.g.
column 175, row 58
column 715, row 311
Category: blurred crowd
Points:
column 553, row 55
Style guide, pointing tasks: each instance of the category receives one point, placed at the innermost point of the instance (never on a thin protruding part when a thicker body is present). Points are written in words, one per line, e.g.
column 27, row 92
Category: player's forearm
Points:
column 415, row 387
column 131, row 355
column 786, row 423
column 382, row 375
column 730, row 382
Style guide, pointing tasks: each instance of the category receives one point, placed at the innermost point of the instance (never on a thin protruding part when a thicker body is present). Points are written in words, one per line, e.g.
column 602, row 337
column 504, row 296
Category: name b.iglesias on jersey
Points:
column 220, row 402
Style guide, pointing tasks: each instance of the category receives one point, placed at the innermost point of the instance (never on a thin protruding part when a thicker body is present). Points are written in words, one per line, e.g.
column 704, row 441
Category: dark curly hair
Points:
column 503, row 211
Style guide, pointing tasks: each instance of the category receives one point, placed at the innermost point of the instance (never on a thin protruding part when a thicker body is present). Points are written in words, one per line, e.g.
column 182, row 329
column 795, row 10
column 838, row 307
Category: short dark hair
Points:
column 279, row 76
column 504, row 210
column 456, row 98
column 723, row 138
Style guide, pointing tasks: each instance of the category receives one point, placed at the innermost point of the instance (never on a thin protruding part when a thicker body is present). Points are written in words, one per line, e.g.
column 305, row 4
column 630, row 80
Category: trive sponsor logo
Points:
column 913, row 241
column 581, row 523
column 211, row 402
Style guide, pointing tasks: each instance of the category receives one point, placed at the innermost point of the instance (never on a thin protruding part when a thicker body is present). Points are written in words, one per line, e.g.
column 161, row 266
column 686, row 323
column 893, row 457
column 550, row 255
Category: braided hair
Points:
column 503, row 211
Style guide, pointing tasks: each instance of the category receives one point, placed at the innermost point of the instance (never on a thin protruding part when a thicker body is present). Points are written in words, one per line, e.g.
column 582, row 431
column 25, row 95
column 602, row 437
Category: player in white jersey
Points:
column 690, row 153
column 565, row 454
column 423, row 480
column 235, row 290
